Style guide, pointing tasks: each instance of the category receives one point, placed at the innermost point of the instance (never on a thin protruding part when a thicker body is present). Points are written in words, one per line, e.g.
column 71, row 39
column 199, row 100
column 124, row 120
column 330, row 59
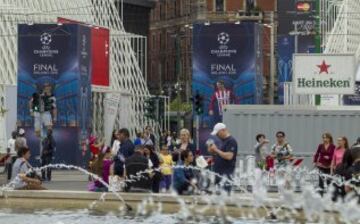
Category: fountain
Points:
column 256, row 205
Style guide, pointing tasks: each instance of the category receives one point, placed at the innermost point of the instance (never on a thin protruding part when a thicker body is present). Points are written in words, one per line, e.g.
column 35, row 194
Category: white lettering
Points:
column 45, row 69
column 223, row 69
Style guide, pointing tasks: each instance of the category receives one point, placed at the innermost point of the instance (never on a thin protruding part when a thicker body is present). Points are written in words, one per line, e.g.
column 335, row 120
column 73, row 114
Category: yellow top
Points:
column 166, row 165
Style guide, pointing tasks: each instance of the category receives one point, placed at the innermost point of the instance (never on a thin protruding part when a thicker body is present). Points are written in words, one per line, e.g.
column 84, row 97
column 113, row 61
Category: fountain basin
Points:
column 239, row 207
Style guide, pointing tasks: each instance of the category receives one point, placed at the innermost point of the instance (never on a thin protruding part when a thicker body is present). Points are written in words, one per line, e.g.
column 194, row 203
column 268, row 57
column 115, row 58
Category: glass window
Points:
column 219, row 5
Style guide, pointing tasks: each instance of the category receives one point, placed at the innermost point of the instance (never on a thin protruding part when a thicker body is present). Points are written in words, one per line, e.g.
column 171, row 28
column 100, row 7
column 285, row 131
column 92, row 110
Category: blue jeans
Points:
column 165, row 182
column 224, row 182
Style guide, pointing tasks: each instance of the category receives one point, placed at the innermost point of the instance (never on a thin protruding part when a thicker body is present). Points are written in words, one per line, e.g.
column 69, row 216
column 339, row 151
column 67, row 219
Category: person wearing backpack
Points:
column 47, row 153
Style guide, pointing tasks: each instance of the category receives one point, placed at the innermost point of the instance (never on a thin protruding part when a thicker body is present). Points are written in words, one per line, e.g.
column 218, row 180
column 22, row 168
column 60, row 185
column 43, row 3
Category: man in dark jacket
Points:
column 353, row 179
column 47, row 153
column 125, row 151
column 137, row 177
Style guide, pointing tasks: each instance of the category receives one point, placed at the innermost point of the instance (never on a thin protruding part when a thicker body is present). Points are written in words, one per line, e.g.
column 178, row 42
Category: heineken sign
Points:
column 324, row 74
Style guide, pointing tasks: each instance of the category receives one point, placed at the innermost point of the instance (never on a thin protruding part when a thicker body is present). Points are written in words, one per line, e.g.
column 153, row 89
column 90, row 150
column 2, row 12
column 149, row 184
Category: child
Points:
column 166, row 163
column 101, row 167
column 107, row 162
column 260, row 151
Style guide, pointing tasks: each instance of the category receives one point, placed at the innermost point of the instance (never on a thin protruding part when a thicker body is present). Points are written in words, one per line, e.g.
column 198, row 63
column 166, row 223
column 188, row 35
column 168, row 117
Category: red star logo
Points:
column 323, row 67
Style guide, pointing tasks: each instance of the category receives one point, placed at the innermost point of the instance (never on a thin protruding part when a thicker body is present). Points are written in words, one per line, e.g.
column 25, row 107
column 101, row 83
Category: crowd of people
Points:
column 174, row 166
column 338, row 165
column 174, row 163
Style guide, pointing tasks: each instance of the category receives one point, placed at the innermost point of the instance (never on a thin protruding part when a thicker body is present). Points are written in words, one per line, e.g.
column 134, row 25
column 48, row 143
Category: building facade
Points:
column 136, row 14
column 170, row 37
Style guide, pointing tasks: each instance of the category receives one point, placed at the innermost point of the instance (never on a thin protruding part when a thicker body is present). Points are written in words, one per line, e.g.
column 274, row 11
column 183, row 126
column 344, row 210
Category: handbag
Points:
column 91, row 186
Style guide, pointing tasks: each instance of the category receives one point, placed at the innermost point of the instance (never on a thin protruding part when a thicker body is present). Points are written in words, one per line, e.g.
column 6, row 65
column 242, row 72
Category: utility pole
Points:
column 272, row 59
column 296, row 39
column 178, row 84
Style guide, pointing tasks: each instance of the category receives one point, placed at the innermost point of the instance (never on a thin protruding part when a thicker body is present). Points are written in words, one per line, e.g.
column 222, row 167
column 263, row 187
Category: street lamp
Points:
column 178, row 89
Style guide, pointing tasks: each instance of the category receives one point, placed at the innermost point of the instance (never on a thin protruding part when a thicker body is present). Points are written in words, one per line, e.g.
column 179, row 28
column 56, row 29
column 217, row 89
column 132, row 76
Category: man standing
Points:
column 225, row 157
column 20, row 140
column 48, row 146
column 125, row 151
column 221, row 97
column 149, row 130
column 12, row 152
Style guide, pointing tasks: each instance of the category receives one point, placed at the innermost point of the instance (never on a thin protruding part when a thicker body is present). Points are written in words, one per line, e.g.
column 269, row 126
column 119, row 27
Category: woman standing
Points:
column 323, row 157
column 342, row 172
column 115, row 146
column 185, row 142
column 342, row 146
column 281, row 151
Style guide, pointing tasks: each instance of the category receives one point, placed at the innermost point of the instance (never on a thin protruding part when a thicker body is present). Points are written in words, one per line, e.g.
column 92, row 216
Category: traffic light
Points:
column 161, row 108
column 150, row 108
column 198, row 104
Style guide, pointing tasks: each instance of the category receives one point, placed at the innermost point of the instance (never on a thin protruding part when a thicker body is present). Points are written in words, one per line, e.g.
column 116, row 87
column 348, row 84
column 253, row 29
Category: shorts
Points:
column 42, row 119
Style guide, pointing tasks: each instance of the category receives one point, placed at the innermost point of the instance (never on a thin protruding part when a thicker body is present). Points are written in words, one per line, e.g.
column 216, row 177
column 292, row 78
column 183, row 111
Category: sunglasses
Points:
column 280, row 136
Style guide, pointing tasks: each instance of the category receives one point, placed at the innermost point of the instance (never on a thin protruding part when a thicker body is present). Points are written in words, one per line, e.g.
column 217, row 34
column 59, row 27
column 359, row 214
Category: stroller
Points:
column 295, row 162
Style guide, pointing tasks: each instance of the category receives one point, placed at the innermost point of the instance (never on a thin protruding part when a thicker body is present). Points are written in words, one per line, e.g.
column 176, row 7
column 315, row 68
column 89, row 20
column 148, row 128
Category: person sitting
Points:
column 22, row 176
column 154, row 166
column 135, row 171
column 184, row 178
column 101, row 167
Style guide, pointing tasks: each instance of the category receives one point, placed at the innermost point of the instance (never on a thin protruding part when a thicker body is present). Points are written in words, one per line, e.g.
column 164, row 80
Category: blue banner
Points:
column 225, row 68
column 353, row 99
column 297, row 19
column 284, row 63
column 54, row 88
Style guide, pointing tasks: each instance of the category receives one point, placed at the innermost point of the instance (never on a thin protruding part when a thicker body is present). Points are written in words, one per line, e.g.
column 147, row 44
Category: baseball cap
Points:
column 217, row 128
column 21, row 131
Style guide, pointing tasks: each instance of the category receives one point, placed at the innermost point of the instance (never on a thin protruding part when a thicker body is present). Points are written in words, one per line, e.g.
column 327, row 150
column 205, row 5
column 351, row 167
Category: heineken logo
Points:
column 324, row 67
column 324, row 74
column 329, row 83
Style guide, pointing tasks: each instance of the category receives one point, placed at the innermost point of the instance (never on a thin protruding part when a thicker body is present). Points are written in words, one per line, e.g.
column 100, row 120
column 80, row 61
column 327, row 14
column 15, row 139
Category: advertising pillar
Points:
column 54, row 90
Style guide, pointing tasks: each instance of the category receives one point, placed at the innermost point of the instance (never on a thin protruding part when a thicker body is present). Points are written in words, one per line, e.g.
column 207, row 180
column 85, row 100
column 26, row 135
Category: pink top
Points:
column 106, row 170
column 338, row 156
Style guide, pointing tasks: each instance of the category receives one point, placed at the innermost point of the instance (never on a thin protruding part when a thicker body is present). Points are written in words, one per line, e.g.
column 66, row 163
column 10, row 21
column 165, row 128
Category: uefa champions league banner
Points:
column 225, row 70
column 54, row 88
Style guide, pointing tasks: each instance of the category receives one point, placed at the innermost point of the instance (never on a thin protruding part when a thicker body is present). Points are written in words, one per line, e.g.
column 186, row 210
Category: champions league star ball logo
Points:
column 45, row 38
column 223, row 38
